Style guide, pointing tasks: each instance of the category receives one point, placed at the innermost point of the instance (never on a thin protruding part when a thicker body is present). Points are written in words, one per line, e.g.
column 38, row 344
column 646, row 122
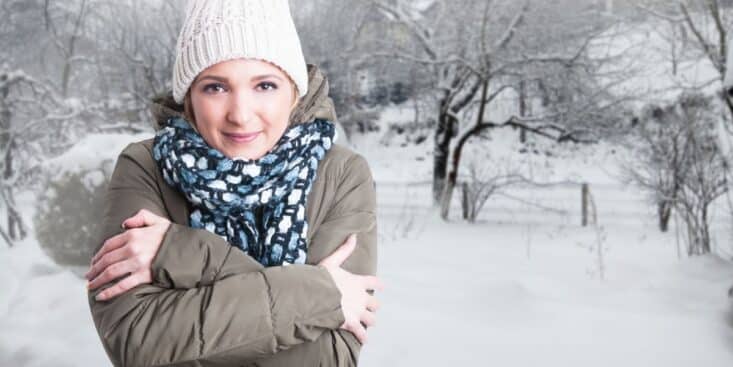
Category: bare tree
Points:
column 575, row 106
column 445, row 35
column 659, row 169
column 475, row 52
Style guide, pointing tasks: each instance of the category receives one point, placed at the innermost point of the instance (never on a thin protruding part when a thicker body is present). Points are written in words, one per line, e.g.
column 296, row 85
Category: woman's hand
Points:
column 131, row 252
column 358, row 306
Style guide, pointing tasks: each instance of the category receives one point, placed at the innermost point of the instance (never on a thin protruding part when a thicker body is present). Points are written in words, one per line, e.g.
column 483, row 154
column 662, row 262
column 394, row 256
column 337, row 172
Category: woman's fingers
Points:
column 341, row 254
column 110, row 244
column 122, row 286
column 142, row 218
column 372, row 304
column 106, row 260
column 368, row 318
column 111, row 273
column 372, row 282
column 130, row 252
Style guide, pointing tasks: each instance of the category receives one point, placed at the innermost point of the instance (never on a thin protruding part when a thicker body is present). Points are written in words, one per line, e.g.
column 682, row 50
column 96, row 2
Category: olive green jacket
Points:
column 210, row 304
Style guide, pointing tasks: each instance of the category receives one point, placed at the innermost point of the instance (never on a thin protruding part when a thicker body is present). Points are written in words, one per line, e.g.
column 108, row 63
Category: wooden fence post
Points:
column 584, row 203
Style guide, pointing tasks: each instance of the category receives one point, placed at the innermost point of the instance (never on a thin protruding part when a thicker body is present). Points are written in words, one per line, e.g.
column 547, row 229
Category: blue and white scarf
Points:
column 256, row 205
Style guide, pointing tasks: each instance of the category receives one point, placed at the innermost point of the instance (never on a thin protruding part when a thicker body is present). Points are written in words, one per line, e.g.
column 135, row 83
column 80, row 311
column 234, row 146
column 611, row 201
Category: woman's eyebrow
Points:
column 214, row 77
column 265, row 76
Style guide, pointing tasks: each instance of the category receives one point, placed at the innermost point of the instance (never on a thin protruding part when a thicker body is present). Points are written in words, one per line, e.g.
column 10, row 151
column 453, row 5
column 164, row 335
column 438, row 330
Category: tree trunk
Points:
column 444, row 133
column 446, row 197
column 466, row 202
column 450, row 183
column 705, row 247
column 584, row 193
column 522, row 109
column 16, row 227
column 664, row 211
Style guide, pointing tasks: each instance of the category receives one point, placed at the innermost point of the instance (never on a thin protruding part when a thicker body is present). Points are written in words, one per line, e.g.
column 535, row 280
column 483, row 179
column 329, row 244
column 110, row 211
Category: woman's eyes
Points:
column 218, row 87
column 214, row 88
column 267, row 86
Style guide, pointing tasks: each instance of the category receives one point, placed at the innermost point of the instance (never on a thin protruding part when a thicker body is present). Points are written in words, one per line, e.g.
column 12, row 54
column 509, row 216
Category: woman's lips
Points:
column 242, row 138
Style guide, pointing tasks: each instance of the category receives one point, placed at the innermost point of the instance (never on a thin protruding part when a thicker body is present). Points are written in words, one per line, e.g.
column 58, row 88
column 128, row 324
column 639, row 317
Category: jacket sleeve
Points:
column 354, row 211
column 244, row 313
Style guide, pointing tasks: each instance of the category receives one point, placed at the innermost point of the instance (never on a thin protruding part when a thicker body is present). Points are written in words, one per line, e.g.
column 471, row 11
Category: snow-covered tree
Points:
column 476, row 53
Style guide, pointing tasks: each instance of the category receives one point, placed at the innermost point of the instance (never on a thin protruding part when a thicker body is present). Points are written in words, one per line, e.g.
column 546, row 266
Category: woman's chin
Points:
column 247, row 151
column 251, row 153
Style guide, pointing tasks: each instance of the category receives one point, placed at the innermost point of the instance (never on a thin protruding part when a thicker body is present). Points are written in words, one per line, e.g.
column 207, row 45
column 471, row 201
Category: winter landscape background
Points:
column 616, row 109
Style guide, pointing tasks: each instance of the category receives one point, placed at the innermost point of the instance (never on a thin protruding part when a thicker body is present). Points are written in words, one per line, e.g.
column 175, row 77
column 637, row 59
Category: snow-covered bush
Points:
column 69, row 207
column 491, row 168
column 483, row 181
column 680, row 165
column 67, row 216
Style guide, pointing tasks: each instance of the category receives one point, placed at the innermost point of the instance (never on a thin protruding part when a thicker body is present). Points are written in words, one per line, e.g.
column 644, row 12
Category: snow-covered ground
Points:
column 521, row 287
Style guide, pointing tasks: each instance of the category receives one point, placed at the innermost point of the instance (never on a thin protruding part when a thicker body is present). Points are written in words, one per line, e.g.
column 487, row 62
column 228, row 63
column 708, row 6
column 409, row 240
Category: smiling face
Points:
column 242, row 107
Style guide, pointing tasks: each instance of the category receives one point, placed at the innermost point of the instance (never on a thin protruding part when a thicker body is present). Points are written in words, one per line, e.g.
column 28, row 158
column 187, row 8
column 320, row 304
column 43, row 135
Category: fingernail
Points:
column 99, row 297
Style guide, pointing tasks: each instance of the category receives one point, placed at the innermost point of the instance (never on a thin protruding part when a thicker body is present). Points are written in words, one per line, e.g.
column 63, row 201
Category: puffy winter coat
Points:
column 210, row 304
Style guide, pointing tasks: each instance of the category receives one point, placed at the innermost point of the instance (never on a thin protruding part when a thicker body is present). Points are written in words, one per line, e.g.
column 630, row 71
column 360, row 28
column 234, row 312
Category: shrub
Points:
column 67, row 216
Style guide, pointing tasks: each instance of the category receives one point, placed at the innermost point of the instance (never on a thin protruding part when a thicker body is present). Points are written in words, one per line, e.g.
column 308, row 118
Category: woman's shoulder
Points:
column 342, row 162
column 140, row 152
column 138, row 148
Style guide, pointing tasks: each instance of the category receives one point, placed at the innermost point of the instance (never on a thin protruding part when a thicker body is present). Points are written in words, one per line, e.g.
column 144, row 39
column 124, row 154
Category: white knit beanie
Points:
column 220, row 30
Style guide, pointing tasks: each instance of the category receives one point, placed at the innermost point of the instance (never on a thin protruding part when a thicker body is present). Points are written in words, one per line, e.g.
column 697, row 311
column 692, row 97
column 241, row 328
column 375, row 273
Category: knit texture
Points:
column 255, row 205
column 219, row 30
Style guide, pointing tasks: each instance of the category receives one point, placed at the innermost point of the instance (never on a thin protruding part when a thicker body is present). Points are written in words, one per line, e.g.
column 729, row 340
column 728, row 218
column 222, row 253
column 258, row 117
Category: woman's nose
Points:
column 240, row 109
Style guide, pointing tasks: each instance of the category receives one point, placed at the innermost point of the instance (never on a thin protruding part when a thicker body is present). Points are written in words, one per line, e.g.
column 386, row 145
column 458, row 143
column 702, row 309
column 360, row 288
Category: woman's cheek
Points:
column 213, row 109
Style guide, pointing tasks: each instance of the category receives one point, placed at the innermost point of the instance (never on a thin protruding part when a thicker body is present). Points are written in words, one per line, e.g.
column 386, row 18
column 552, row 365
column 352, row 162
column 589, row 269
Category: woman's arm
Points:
column 219, row 278
column 242, row 316
column 354, row 212
column 187, row 256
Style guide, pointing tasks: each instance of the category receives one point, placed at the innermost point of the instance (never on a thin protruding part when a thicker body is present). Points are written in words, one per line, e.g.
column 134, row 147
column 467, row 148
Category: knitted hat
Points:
column 220, row 30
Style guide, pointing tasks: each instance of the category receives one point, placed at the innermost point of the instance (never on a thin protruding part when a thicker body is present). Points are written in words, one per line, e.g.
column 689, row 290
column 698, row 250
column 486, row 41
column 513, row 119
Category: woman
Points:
column 239, row 235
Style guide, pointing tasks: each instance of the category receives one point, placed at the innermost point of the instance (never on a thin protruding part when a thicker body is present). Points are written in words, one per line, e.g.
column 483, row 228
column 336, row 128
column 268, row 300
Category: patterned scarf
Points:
column 256, row 205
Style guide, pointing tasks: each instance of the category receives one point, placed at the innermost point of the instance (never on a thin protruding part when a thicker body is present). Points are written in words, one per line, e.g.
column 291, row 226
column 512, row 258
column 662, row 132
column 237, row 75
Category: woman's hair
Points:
column 188, row 108
column 188, row 105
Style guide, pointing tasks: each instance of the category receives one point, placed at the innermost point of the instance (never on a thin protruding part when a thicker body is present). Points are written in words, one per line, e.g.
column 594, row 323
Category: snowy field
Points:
column 522, row 287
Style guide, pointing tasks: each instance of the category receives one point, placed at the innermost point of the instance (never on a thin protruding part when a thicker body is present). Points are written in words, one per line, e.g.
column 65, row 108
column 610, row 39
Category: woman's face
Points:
column 242, row 106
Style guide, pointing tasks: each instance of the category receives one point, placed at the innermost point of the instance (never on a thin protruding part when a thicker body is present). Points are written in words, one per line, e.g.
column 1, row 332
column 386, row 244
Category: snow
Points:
column 44, row 315
column 526, row 285
column 91, row 151
column 522, row 287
